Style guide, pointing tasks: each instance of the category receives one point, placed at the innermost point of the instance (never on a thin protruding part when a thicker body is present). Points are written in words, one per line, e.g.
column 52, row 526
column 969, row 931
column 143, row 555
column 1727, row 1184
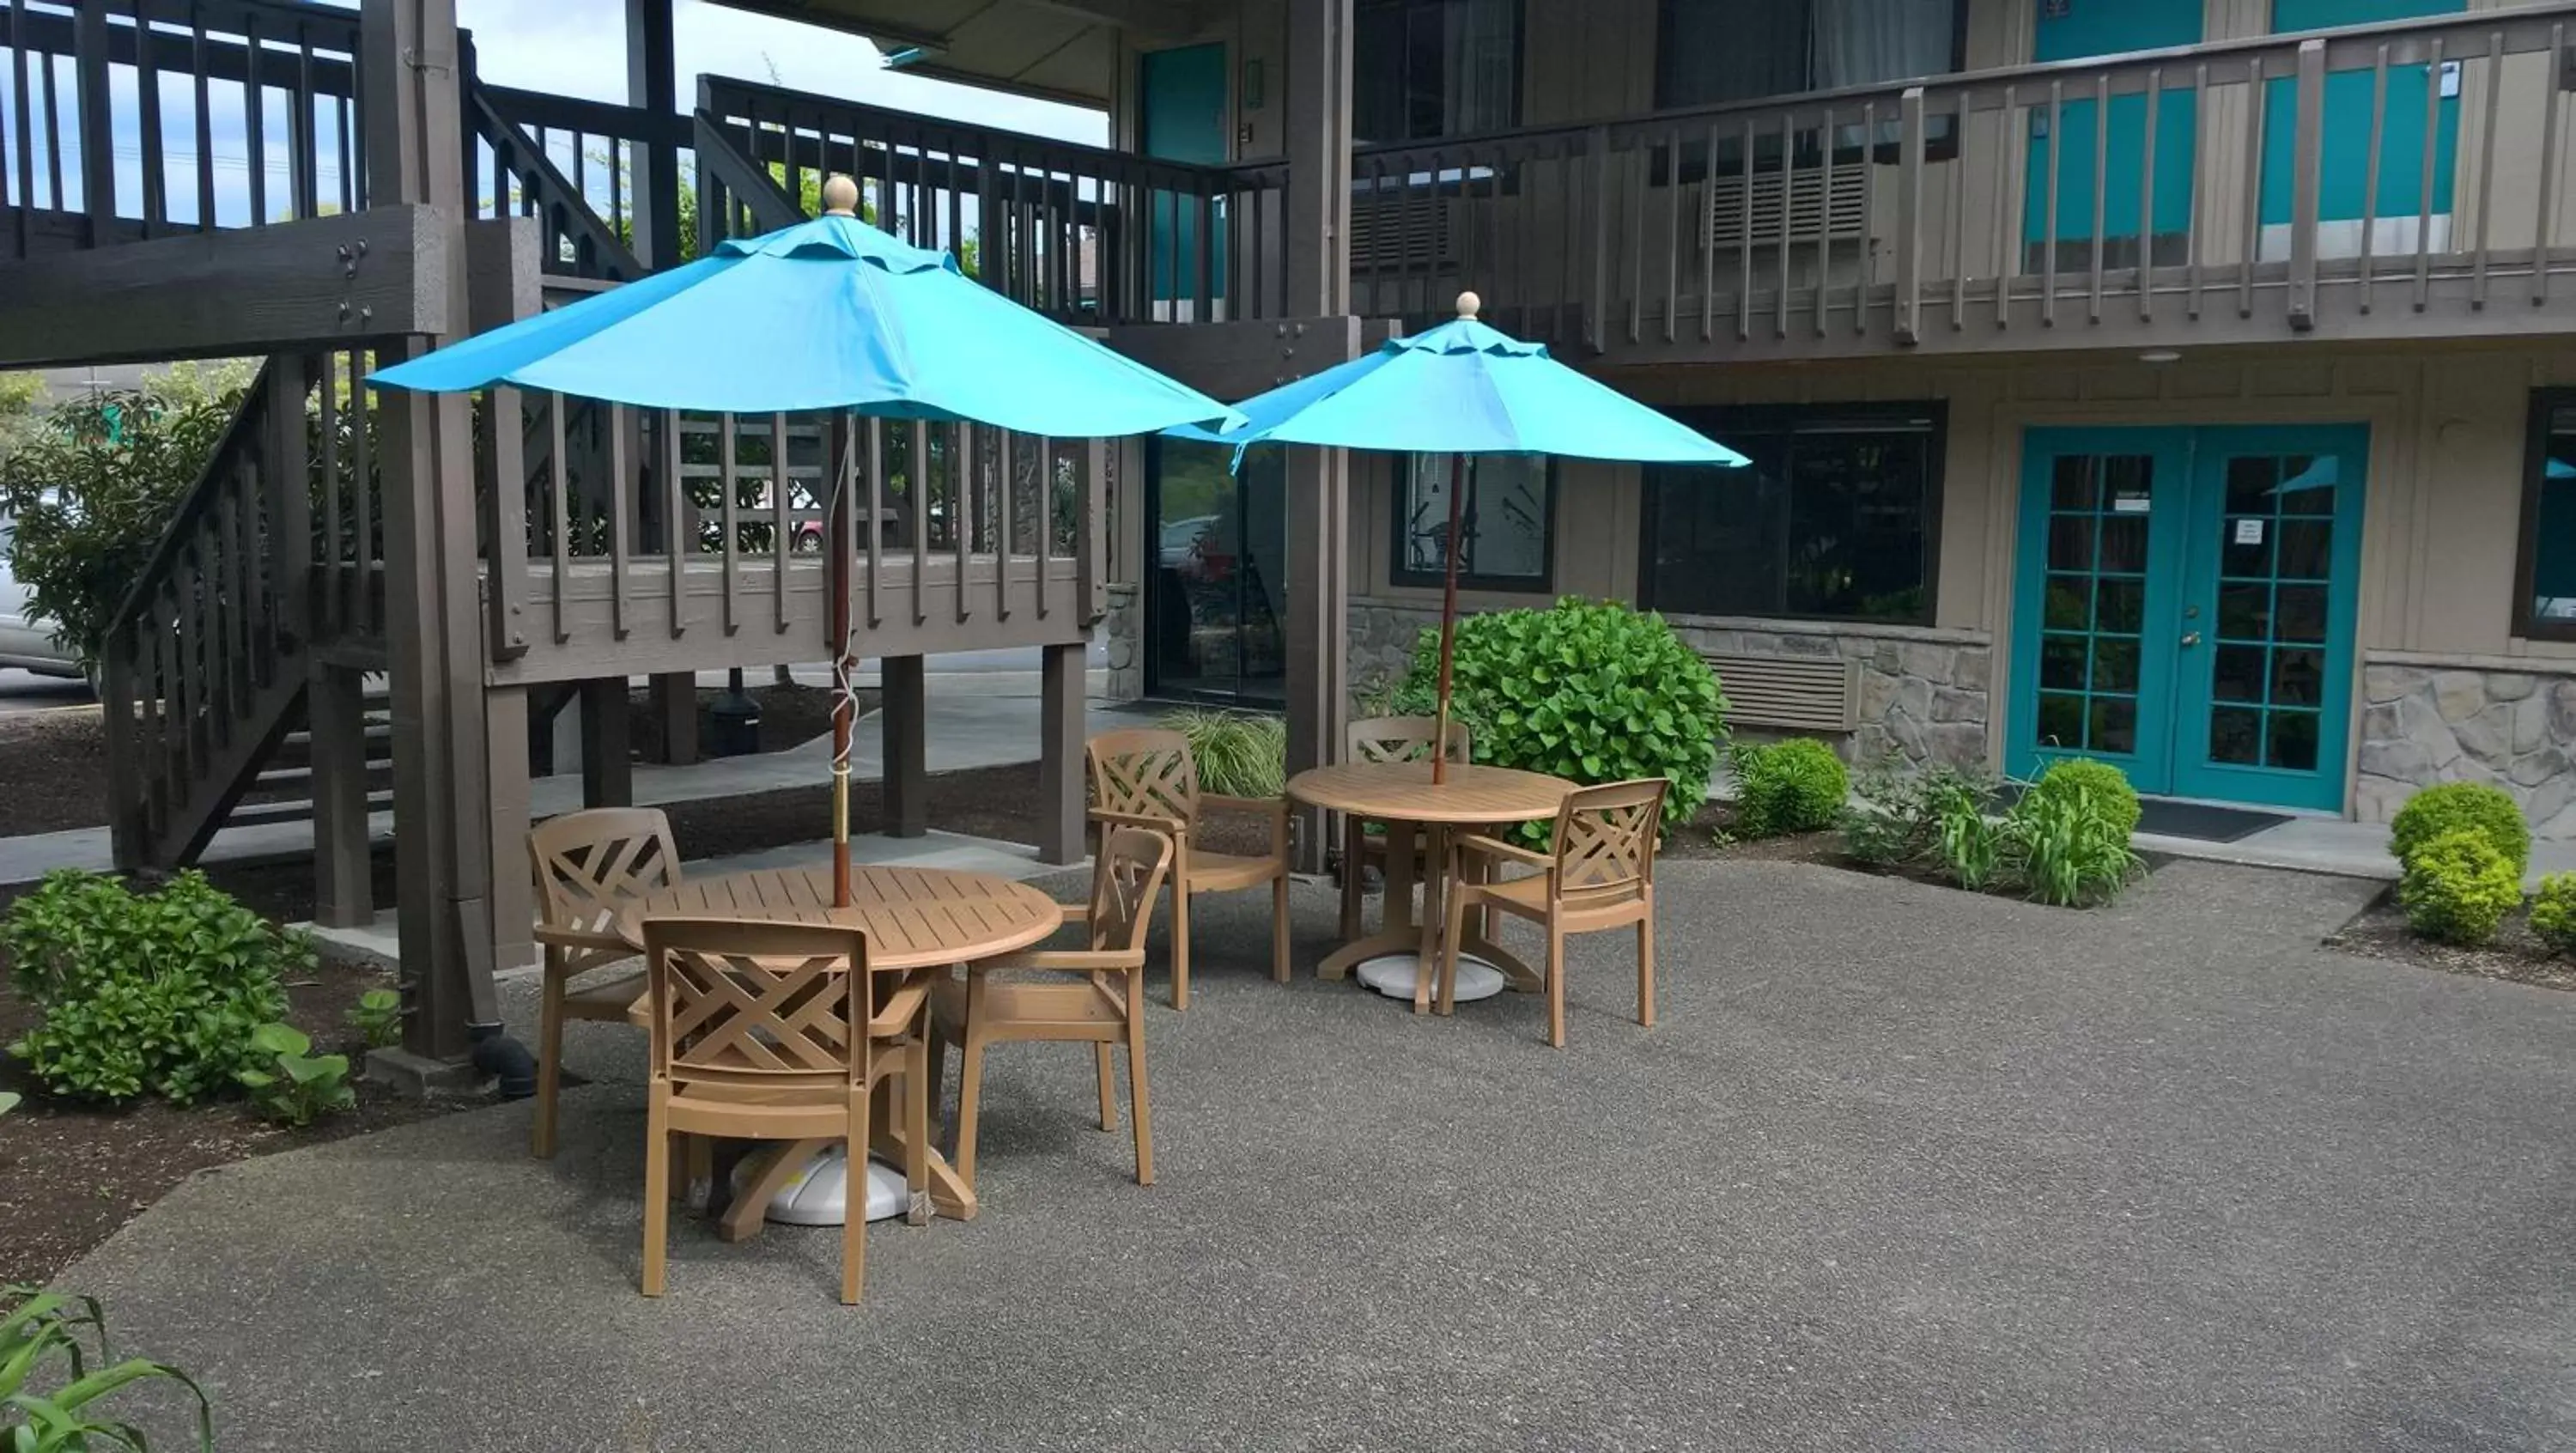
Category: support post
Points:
column 514, row 910
column 1060, row 735
column 905, row 715
column 607, row 762
column 335, row 712
column 674, row 696
column 652, row 83
column 434, row 626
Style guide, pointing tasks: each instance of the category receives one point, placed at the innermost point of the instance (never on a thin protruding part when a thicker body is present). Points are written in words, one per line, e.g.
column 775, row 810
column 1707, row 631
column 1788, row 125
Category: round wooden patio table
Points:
column 915, row 918
column 1403, row 793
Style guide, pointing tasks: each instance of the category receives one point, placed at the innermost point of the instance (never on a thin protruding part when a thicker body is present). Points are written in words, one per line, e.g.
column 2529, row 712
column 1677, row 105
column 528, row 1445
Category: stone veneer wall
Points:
column 1124, row 627
column 2428, row 723
column 1925, row 696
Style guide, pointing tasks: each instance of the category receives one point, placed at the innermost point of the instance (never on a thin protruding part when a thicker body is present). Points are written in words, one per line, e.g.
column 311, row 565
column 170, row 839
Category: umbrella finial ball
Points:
column 840, row 197
column 1468, row 303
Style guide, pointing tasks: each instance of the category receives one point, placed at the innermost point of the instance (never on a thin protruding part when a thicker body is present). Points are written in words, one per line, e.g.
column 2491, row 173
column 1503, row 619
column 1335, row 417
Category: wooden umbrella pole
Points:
column 1448, row 618
column 838, row 533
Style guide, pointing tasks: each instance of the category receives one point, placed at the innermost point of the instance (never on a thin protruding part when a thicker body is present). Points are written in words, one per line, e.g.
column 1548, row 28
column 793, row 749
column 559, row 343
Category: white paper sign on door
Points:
column 2249, row 532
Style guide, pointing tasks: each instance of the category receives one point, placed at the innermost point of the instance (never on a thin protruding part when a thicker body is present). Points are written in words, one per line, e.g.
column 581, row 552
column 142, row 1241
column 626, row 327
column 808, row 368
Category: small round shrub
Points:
column 2553, row 913
column 2458, row 888
column 1591, row 691
column 2107, row 787
column 2477, row 806
column 1794, row 786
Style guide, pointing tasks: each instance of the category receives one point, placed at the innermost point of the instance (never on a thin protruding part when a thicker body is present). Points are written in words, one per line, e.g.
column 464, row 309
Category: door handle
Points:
column 2191, row 638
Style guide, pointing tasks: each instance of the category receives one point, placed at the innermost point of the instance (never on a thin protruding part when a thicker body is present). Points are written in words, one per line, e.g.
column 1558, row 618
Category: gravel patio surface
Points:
column 1899, row 1167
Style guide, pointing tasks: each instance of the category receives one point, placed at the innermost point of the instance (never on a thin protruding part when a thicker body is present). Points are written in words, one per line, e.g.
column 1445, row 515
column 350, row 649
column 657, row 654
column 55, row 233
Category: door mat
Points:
column 2203, row 822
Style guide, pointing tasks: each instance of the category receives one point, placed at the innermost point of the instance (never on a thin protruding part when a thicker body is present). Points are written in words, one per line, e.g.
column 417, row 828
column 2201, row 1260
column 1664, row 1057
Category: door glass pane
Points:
column 2239, row 674
column 2236, row 735
column 2298, row 676
column 1216, row 605
column 2061, row 720
column 2115, row 665
column 2094, row 609
column 2124, row 544
column 2301, row 613
column 2068, row 604
column 2307, row 549
column 2074, row 482
column 2247, row 550
column 2070, row 543
column 2294, row 740
column 2061, row 663
column 2121, row 605
column 2114, row 724
column 2266, row 659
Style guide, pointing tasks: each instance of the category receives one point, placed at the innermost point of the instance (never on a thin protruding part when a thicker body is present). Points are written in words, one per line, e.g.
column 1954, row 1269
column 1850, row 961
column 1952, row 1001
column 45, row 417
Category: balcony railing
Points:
column 2388, row 178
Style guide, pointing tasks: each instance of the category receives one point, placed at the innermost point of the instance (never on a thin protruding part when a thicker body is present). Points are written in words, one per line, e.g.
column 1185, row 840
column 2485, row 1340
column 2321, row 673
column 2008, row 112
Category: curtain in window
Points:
column 1483, row 49
column 1712, row 51
column 1859, row 42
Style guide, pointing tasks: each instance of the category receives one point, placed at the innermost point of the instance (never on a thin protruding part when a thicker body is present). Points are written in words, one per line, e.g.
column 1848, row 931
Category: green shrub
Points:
column 1591, row 691
column 2553, row 912
column 43, row 1332
column 2486, row 810
column 377, row 1016
column 2070, row 847
column 292, row 1085
column 1238, row 755
column 1898, row 817
column 1969, row 844
column 1794, row 786
column 2107, row 785
column 2458, row 887
column 157, row 993
column 8, row 1101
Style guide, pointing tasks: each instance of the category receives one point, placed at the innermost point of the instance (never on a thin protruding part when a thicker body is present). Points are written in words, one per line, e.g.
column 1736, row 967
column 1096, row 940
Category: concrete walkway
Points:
column 1898, row 1167
column 976, row 720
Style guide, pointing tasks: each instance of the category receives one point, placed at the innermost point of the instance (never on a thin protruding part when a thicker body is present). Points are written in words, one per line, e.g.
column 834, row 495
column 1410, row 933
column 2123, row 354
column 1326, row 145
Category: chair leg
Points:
column 657, row 1192
column 1279, row 929
column 1449, row 948
column 1180, row 945
column 550, row 1019
column 698, row 1162
column 970, row 1090
column 854, row 1222
column 1555, row 985
column 1139, row 1111
column 916, row 1124
column 1354, row 861
column 1646, row 970
column 1102, row 1058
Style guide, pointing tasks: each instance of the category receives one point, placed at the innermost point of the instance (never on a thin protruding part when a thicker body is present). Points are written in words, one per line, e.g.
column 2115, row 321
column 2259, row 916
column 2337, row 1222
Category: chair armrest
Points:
column 1075, row 912
column 581, row 938
column 1257, row 806
column 1497, row 848
column 1167, row 826
column 1065, row 961
column 905, row 1004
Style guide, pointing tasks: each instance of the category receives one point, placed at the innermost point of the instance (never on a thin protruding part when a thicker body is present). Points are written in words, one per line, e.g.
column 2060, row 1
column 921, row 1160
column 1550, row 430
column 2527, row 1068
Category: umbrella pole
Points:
column 837, row 537
column 1448, row 618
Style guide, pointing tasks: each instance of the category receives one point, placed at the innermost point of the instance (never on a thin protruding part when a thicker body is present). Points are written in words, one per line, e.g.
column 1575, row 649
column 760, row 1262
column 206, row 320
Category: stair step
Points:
column 253, row 814
column 278, row 777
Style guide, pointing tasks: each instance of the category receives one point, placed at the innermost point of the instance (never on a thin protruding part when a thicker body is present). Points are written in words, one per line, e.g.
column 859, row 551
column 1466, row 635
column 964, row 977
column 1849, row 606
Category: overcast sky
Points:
column 577, row 48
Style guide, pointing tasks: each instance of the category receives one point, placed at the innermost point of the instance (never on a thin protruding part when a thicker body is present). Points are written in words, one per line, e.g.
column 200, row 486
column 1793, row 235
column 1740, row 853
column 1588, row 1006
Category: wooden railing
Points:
column 131, row 119
column 2404, row 177
column 1078, row 232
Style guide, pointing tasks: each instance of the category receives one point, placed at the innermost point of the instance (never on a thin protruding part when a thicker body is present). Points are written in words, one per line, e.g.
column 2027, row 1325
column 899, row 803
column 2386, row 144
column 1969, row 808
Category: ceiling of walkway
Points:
column 1065, row 50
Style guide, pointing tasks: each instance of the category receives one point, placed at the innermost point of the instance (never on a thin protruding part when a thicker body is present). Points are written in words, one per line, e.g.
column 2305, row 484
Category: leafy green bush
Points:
column 157, row 993
column 2107, row 785
column 377, row 1016
column 2458, row 887
column 2071, row 847
column 2553, row 913
column 1794, row 786
column 1591, row 691
column 1898, row 817
column 42, row 1331
column 8, row 1101
column 2479, row 807
column 292, row 1085
column 1238, row 755
column 1969, row 844
column 90, row 491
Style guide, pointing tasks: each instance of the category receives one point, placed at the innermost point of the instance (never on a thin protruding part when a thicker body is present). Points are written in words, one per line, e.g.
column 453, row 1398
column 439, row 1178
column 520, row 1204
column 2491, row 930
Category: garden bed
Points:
column 2515, row 954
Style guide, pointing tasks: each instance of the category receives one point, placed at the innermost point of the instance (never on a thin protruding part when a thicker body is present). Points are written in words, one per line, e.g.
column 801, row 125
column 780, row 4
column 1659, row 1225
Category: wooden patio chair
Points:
column 775, row 1031
column 1093, row 995
column 1387, row 739
column 1146, row 778
column 590, row 866
column 1598, row 873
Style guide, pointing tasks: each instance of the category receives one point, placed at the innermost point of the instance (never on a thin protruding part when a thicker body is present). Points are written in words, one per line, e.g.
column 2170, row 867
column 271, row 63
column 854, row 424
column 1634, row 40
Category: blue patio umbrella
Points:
column 827, row 314
column 1459, row 389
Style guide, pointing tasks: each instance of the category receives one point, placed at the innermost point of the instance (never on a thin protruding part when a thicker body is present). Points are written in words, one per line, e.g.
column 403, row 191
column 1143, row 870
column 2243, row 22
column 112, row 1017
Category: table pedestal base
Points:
column 816, row 1192
column 1395, row 975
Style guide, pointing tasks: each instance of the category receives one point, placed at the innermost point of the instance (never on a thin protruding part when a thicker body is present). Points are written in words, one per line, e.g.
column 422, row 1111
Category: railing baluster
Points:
column 2257, row 103
column 917, row 485
column 876, row 466
column 1003, row 489
column 2101, row 188
column 1638, row 180
column 729, row 479
column 25, row 128
column 1906, row 323
column 2545, row 217
column 94, row 107
column 2424, row 182
column 1788, row 194
column 675, row 521
column 964, row 469
column 559, row 505
column 621, row 514
column 2200, row 128
column 333, row 605
column 360, row 412
column 2048, row 206
column 2486, row 168
column 1958, row 210
column 2370, row 175
column 1046, row 519
column 782, row 528
column 2147, row 196
column 1744, row 237
column 1672, row 231
column 308, row 180
column 2010, row 229
column 255, row 120
column 147, row 106
column 1866, row 268
column 1824, row 214
column 2307, row 183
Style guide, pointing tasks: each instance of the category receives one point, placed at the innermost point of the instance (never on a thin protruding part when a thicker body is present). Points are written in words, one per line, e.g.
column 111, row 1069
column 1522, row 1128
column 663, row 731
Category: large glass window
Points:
column 1713, row 51
column 2545, row 606
column 1507, row 521
column 1429, row 68
column 1835, row 517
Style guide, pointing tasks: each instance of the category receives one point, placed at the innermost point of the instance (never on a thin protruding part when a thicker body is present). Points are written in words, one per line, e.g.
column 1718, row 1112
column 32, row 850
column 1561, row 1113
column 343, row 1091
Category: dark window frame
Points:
column 1663, row 49
column 2527, row 622
column 1399, row 523
column 1746, row 420
column 1520, row 70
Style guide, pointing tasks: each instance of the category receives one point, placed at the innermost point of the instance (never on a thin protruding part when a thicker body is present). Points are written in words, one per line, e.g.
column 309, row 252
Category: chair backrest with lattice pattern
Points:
column 591, row 864
column 1126, row 879
column 1144, row 772
column 1606, row 835
column 1403, row 739
column 761, row 1005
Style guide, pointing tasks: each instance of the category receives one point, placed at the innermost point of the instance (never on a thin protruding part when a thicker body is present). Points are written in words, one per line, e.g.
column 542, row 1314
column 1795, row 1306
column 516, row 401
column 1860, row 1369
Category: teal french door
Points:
column 1182, row 111
column 2185, row 607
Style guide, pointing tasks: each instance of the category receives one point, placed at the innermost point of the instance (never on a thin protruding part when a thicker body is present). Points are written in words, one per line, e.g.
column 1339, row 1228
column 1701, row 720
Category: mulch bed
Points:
column 53, row 771
column 2516, row 954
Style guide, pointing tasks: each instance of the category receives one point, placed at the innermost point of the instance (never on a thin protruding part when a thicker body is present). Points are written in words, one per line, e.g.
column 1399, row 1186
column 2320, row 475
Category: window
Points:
column 1713, row 51
column 1507, row 524
column 1835, row 518
column 2545, row 597
column 1422, row 69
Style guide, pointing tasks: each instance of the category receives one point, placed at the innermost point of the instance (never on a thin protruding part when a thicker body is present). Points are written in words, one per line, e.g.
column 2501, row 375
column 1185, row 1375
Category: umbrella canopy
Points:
column 1461, row 388
column 827, row 314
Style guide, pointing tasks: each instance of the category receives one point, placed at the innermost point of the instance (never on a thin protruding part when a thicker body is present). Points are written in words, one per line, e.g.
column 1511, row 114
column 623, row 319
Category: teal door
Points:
column 2345, row 175
column 2186, row 607
column 2072, row 32
column 1181, row 117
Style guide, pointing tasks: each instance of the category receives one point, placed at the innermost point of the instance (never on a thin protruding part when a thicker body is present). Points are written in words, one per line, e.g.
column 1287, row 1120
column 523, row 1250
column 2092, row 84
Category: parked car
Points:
column 24, row 644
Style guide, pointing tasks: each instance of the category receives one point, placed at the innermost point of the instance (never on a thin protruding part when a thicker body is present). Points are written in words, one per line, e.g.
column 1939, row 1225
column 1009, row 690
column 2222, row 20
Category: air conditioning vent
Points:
column 1399, row 231
column 1793, row 206
column 1789, row 693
